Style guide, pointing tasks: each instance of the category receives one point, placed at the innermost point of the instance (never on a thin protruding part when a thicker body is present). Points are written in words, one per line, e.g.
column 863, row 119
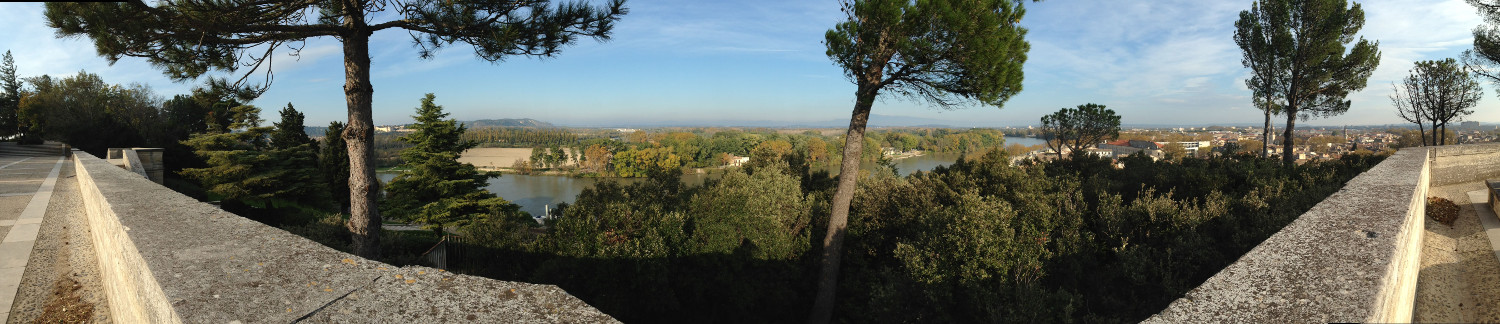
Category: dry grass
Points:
column 66, row 305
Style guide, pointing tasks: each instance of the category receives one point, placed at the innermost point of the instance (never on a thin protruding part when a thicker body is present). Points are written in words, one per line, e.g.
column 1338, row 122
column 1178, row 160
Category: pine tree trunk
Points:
column 1265, row 134
column 1288, row 157
column 1434, row 140
column 833, row 242
column 364, row 218
column 1422, row 132
column 1444, row 132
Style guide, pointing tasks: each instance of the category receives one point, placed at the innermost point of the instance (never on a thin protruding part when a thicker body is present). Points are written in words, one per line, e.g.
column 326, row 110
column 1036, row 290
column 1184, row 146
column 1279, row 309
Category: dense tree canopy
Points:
column 289, row 131
column 1075, row 130
column 247, row 168
column 85, row 112
column 187, row 39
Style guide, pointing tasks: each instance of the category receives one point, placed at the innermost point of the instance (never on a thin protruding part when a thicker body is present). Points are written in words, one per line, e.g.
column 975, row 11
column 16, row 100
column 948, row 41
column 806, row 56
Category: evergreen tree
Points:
column 1313, row 71
column 946, row 52
column 290, row 132
column 437, row 190
column 1081, row 128
column 1258, row 46
column 334, row 161
column 189, row 38
column 244, row 167
column 10, row 96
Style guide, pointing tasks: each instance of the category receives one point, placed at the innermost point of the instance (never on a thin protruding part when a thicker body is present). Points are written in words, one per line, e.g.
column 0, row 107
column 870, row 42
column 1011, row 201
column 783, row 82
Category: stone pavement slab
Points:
column 1481, row 199
column 15, row 248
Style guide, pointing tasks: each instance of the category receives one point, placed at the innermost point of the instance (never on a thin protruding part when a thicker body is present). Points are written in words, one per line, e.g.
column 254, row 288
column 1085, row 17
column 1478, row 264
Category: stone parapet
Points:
column 1352, row 258
column 1453, row 164
column 166, row 258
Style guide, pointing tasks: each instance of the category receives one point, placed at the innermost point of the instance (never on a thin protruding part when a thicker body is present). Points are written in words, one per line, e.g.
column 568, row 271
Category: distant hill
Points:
column 507, row 122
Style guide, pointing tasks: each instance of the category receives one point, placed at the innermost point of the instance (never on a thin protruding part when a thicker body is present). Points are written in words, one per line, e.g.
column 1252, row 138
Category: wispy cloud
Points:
column 790, row 28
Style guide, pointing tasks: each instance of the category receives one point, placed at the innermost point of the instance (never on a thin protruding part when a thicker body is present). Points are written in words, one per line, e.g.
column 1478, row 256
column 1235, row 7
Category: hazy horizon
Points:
column 689, row 62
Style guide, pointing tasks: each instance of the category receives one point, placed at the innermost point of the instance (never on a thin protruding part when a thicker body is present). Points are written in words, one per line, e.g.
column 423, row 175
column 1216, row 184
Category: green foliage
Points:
column 437, row 190
column 655, row 251
column 980, row 241
column 766, row 213
column 10, row 96
column 1079, row 129
column 333, row 161
column 1485, row 56
column 644, row 162
column 244, row 167
column 1299, row 57
column 520, row 137
column 289, row 131
column 188, row 39
column 942, row 51
column 85, row 112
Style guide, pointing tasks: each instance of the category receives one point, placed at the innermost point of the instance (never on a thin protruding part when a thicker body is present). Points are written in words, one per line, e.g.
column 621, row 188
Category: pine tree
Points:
column 1312, row 72
column 945, row 52
column 10, row 96
column 290, row 132
column 437, row 190
column 334, row 161
column 244, row 167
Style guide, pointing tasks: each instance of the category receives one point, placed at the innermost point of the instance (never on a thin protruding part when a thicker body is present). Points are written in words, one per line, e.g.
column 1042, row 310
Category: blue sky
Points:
column 684, row 62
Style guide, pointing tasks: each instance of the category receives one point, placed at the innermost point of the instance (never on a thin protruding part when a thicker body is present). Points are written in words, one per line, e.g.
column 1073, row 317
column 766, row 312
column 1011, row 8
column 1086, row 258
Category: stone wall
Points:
column 1352, row 258
column 1454, row 164
column 166, row 258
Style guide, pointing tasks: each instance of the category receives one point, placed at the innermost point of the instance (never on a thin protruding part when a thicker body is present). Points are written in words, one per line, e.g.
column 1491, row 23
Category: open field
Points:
column 495, row 158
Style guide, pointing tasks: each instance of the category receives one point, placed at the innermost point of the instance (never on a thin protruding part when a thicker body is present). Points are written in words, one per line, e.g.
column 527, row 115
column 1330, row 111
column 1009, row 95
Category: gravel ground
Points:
column 1460, row 278
column 61, row 282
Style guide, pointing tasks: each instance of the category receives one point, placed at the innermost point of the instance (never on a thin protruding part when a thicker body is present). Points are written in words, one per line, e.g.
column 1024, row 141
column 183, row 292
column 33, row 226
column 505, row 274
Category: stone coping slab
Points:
column 1345, row 260
column 1354, row 257
column 187, row 261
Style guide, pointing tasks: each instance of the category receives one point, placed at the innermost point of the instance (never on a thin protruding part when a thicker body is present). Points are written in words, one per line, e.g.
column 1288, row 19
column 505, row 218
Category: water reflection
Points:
column 534, row 192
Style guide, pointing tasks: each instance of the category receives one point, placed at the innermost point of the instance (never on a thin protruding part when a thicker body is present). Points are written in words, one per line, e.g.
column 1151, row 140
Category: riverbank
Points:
column 906, row 154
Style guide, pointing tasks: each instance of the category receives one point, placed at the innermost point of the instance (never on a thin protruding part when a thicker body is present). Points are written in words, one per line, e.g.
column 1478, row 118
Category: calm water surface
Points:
column 534, row 192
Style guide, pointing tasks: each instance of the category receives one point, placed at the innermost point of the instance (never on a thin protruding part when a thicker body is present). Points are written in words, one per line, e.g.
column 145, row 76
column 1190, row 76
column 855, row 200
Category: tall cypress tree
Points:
column 189, row 38
column 10, row 96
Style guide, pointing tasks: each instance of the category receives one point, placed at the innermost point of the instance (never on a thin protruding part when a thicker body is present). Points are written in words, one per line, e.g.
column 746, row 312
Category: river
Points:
column 534, row 192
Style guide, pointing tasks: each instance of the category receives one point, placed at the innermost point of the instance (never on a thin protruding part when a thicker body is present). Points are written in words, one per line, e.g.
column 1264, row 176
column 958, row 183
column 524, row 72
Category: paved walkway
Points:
column 26, row 184
column 1460, row 278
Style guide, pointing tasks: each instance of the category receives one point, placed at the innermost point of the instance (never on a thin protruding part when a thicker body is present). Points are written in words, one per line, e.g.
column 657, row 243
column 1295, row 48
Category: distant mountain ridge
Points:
column 507, row 122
